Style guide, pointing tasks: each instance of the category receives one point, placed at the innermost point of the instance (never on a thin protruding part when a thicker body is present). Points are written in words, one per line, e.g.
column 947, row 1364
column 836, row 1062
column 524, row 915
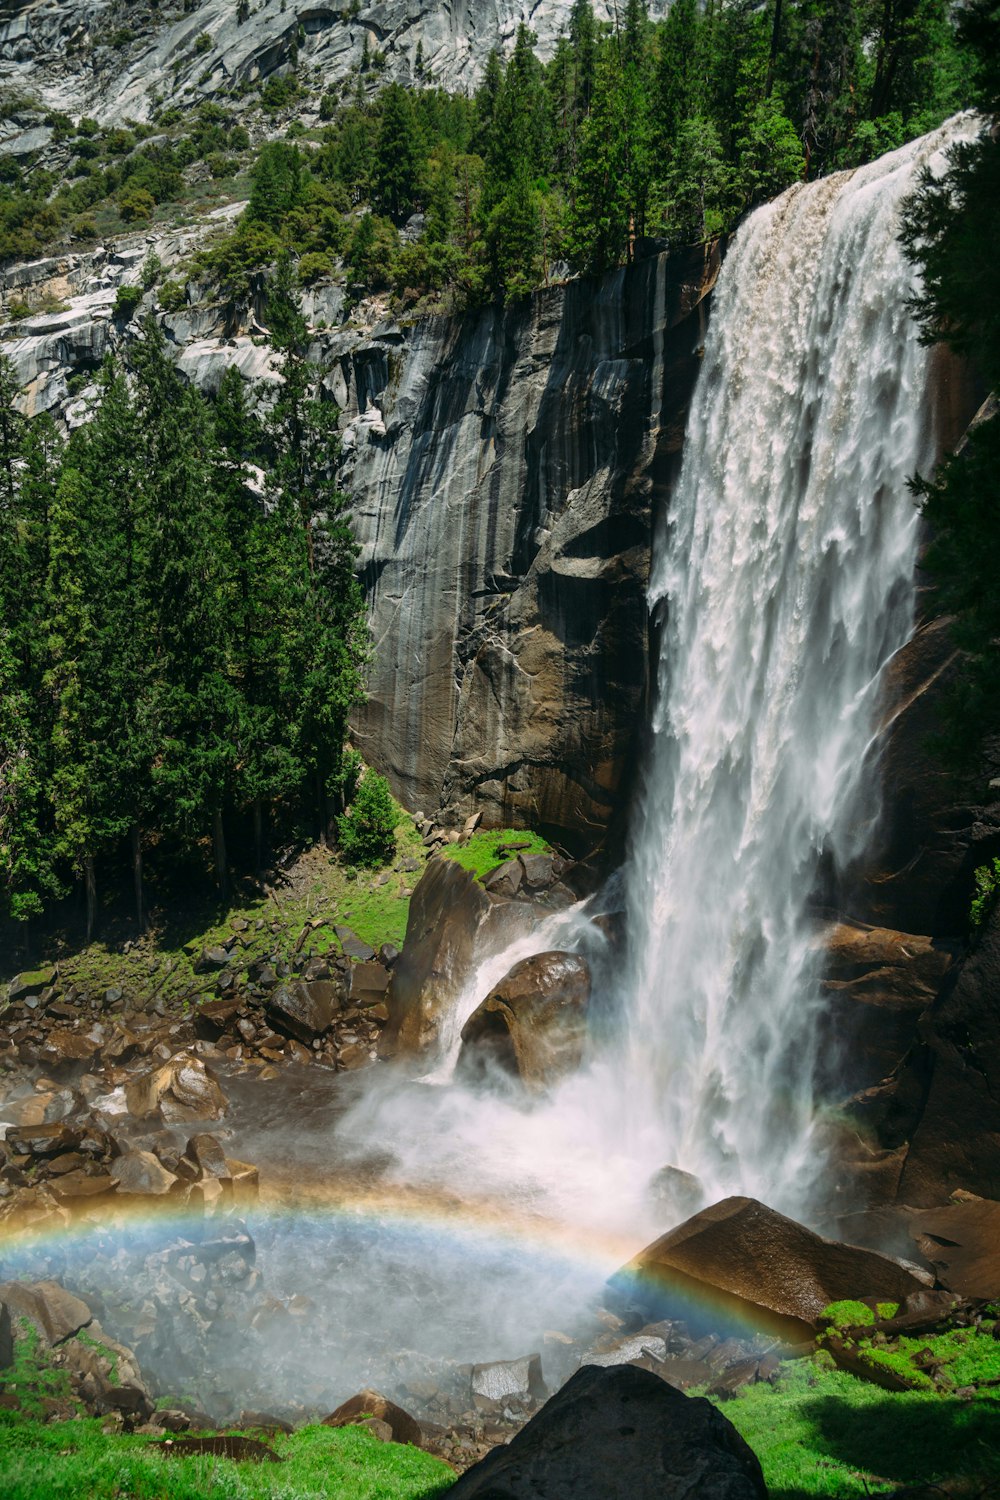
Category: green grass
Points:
column 32, row 1374
column 823, row 1432
column 69, row 1460
column 480, row 854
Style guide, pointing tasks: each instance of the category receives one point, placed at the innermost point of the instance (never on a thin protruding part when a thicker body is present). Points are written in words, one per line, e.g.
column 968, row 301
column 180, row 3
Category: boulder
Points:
column 179, row 1091
column 303, row 1011
column 357, row 1409
column 619, row 1434
column 504, row 1378
column 452, row 925
column 740, row 1265
column 534, row 1022
column 56, row 1313
column 140, row 1173
column 368, row 984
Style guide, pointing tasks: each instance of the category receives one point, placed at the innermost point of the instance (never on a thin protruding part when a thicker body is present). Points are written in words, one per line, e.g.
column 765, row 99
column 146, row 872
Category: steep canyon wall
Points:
column 505, row 471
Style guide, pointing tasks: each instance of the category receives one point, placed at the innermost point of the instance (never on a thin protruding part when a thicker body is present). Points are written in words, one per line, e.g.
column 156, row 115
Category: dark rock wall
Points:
column 505, row 479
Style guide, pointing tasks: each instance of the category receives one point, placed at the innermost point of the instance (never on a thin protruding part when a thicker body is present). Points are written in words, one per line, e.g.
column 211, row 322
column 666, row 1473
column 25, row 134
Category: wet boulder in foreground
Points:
column 742, row 1264
column 534, row 1022
column 619, row 1434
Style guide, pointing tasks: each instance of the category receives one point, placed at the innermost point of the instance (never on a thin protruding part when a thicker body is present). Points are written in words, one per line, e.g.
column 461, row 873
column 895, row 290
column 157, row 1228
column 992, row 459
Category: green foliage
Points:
column 365, row 831
column 61, row 1461
column 174, row 652
column 820, row 1432
column 127, row 299
column 172, row 296
column 987, row 892
column 135, row 204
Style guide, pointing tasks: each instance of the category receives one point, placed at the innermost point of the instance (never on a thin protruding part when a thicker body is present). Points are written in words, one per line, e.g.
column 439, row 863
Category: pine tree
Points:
column 194, row 705
column 396, row 174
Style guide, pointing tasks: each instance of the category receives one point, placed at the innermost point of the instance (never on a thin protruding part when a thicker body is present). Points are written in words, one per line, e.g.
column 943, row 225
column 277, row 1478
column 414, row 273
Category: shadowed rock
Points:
column 240, row 1450
column 619, row 1434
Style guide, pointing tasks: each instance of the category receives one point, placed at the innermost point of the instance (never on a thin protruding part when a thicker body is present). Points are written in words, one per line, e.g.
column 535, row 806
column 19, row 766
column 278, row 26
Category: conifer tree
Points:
column 397, row 159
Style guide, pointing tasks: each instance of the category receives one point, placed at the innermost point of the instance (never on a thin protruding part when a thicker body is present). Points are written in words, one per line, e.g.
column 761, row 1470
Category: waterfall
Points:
column 785, row 576
column 783, row 582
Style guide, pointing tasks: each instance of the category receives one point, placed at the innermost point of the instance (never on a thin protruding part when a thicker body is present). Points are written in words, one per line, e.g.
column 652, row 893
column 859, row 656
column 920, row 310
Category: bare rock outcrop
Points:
column 504, row 502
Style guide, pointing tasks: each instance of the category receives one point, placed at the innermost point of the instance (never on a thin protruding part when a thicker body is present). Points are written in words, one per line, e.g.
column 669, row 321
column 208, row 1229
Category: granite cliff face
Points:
column 115, row 58
column 505, row 478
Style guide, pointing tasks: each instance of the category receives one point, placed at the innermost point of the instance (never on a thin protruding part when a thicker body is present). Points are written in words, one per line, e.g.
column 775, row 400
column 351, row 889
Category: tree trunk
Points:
column 321, row 809
column 90, row 888
column 140, row 915
column 219, row 845
column 258, row 835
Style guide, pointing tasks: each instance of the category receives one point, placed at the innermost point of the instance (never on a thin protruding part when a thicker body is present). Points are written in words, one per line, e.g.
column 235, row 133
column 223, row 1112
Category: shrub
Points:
column 202, row 44
column 314, row 265
column 135, row 204
column 126, row 302
column 987, row 879
column 172, row 296
column 18, row 310
column 366, row 831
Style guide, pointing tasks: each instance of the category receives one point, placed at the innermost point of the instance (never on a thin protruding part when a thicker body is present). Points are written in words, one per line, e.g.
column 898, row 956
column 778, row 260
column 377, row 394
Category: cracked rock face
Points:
column 78, row 57
column 504, row 480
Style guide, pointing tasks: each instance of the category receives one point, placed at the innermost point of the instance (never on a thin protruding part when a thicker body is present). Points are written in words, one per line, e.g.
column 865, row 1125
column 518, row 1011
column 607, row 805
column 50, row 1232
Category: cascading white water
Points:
column 784, row 575
column 786, row 578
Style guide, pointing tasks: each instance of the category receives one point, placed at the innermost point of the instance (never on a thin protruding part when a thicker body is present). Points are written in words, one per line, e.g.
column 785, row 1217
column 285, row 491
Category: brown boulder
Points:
column 356, row 1409
column 452, row 925
column 741, row 1265
column 534, row 1022
column 619, row 1434
column 303, row 1011
column 368, row 984
column 140, row 1173
column 179, row 1091
column 56, row 1313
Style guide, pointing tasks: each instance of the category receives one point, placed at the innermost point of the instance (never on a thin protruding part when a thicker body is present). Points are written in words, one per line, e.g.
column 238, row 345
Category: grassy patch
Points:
column 32, row 1376
column 67, row 1460
column 480, row 854
column 823, row 1432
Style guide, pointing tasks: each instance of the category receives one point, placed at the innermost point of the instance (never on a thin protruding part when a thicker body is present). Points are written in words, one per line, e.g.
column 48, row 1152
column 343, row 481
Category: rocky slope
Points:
column 115, row 59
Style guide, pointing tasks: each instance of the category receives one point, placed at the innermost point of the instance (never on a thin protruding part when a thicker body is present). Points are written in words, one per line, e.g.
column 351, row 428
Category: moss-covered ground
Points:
column 316, row 894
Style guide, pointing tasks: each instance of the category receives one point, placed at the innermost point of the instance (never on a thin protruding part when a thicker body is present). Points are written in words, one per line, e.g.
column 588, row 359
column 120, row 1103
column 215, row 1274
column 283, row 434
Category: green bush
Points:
column 18, row 310
column 172, row 296
column 126, row 302
column 987, row 879
column 366, row 832
column 136, row 205
column 313, row 266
